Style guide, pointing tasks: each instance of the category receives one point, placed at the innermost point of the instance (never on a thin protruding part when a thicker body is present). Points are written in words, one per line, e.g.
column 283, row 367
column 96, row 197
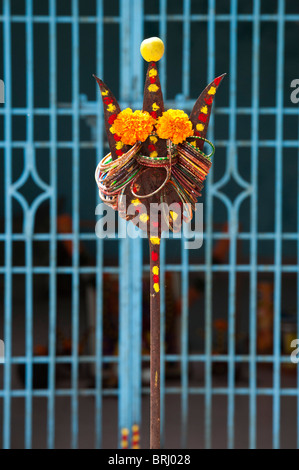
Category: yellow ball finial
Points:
column 152, row 49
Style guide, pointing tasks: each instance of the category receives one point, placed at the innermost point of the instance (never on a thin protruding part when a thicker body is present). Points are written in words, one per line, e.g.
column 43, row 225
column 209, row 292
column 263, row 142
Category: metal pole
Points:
column 154, row 244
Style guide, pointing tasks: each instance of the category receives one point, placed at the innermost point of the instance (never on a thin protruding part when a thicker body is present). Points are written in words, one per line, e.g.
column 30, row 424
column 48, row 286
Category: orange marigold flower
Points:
column 174, row 124
column 133, row 127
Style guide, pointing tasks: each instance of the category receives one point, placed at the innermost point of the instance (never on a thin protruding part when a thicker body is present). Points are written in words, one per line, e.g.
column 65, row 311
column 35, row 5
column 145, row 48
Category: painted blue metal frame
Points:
column 129, row 359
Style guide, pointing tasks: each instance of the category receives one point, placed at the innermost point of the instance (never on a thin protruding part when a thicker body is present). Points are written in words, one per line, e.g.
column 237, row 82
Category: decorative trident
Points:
column 153, row 176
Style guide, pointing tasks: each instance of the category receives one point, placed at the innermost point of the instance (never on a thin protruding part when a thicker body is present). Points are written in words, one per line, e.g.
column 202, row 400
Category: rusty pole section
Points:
column 155, row 343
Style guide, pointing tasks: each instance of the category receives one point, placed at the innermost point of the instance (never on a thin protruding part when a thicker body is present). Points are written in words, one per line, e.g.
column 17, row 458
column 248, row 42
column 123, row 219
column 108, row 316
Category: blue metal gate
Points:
column 241, row 131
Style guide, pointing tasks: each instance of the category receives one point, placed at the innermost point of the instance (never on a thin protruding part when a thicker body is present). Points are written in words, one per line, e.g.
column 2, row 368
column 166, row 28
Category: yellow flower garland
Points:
column 136, row 126
column 132, row 127
column 174, row 124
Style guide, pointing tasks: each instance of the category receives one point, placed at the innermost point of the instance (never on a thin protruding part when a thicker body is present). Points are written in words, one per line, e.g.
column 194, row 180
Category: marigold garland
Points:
column 133, row 127
column 175, row 125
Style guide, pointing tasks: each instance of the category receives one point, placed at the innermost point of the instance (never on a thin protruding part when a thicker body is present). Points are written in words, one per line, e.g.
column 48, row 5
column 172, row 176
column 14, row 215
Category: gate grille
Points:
column 51, row 139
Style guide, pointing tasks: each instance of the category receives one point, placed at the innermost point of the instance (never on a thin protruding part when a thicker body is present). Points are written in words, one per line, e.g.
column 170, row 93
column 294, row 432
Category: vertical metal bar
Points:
column 8, row 227
column 125, row 402
column 136, row 328
column 136, row 39
column 186, row 48
column 124, row 368
column 125, row 44
column 297, row 301
column 278, row 224
column 184, row 253
column 209, row 248
column 163, row 32
column 28, row 230
column 253, row 222
column 184, row 343
column 162, row 74
column 76, row 215
column 136, row 244
column 99, row 243
column 233, row 227
column 53, row 205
